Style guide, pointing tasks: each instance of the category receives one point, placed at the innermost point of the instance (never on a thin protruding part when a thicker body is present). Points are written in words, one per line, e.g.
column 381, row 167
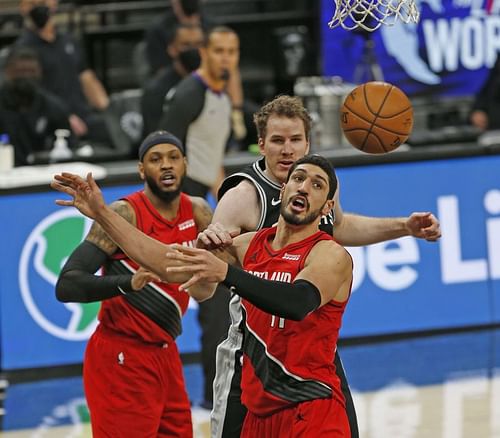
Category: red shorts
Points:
column 312, row 419
column 135, row 389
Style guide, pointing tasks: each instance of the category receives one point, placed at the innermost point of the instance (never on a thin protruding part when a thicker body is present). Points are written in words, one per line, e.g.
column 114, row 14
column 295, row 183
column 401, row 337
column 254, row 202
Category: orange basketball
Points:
column 376, row 117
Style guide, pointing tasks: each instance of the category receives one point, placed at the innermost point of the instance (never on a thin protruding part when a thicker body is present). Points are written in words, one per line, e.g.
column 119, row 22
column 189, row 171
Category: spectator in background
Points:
column 183, row 50
column 65, row 72
column 486, row 108
column 28, row 113
column 199, row 113
column 158, row 36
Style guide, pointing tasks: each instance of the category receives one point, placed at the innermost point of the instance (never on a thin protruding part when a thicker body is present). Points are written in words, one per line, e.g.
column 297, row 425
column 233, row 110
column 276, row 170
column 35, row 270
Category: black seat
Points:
column 125, row 107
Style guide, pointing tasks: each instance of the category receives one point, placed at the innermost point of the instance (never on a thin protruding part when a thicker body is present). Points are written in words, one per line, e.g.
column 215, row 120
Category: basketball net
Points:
column 369, row 15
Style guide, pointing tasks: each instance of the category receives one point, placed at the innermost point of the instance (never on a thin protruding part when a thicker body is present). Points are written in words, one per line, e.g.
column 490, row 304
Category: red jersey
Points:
column 154, row 313
column 287, row 362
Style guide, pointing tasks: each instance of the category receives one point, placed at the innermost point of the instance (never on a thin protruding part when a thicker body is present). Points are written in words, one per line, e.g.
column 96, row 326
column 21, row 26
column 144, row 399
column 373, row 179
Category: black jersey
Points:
column 268, row 192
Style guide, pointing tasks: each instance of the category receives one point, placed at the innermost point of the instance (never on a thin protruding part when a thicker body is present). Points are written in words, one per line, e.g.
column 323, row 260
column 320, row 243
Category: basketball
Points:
column 376, row 117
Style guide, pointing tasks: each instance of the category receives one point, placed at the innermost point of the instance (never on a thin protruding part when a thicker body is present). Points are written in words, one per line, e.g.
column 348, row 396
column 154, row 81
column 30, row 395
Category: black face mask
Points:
column 190, row 7
column 21, row 92
column 40, row 15
column 190, row 59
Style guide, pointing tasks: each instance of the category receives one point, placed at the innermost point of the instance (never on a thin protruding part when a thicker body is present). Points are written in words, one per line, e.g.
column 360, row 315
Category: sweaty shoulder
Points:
column 329, row 267
column 202, row 212
column 239, row 207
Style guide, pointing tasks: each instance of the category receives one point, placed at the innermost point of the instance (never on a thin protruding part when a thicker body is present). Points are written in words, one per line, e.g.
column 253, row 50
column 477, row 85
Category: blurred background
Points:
column 420, row 339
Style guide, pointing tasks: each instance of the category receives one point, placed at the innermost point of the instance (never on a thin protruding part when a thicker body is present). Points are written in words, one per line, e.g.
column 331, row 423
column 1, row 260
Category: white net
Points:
column 369, row 15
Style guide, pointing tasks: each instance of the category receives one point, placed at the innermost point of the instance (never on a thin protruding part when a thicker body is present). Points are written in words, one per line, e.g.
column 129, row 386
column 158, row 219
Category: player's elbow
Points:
column 62, row 290
column 68, row 290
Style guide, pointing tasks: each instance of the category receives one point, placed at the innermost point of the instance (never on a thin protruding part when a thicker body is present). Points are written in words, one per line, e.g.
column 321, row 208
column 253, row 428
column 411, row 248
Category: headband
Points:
column 159, row 137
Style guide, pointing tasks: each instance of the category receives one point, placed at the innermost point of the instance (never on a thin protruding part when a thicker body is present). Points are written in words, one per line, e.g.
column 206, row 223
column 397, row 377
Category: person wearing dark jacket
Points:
column 485, row 113
column 29, row 114
column 183, row 49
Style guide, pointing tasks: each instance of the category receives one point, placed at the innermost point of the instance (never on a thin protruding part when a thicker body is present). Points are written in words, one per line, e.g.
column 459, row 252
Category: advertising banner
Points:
column 448, row 53
column 410, row 284
column 36, row 329
column 404, row 285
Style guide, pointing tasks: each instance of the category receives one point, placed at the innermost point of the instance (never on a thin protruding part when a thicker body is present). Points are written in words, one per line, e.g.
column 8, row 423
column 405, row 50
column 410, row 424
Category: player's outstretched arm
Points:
column 331, row 265
column 87, row 198
column 356, row 230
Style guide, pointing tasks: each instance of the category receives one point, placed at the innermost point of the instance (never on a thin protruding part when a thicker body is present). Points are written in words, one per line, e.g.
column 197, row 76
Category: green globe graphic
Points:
column 43, row 256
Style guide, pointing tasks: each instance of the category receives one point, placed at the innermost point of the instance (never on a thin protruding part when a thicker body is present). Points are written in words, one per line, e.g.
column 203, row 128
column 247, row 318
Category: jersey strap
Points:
column 275, row 378
column 153, row 302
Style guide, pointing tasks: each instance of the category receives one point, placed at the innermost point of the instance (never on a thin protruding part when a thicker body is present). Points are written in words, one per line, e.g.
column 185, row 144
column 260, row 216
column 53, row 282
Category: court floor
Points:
column 430, row 387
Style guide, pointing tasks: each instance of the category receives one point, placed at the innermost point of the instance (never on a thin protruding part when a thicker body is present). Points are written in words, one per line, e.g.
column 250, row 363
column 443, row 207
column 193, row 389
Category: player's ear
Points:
column 260, row 142
column 329, row 204
column 140, row 168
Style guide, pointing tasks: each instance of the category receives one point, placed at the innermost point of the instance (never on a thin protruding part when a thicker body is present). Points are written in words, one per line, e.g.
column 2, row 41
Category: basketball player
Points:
column 248, row 201
column 283, row 127
column 289, row 383
column 308, row 192
column 132, row 372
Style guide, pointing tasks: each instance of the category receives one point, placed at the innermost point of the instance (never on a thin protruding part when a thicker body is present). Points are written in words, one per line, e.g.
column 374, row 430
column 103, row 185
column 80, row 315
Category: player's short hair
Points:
column 282, row 106
column 322, row 163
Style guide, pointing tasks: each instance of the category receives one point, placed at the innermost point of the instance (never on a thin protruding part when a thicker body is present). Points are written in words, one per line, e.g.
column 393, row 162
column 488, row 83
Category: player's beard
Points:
column 293, row 219
column 165, row 196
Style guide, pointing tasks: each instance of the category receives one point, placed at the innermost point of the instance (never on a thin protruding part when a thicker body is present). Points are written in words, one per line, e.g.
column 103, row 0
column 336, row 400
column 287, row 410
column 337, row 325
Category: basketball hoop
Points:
column 369, row 15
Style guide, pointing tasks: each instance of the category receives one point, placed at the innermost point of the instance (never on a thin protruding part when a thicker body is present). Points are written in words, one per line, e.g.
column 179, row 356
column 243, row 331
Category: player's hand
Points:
column 215, row 236
column 87, row 197
column 201, row 264
column 142, row 277
column 424, row 226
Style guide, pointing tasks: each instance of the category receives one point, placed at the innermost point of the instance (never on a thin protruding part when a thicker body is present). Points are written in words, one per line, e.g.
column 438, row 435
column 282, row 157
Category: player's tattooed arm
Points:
column 202, row 213
column 203, row 217
column 98, row 236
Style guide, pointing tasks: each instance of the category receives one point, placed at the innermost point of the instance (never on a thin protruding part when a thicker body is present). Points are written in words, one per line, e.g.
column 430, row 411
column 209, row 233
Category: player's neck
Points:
column 168, row 210
column 287, row 234
column 271, row 176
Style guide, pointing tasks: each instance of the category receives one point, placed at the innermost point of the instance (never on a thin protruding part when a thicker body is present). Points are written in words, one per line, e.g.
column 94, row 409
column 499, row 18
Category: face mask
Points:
column 190, row 59
column 21, row 91
column 40, row 15
column 190, row 7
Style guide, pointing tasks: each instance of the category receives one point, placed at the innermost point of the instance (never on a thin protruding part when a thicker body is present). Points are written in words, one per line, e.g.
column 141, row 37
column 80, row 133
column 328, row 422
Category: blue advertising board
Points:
column 448, row 53
column 36, row 329
column 405, row 285
column 409, row 284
